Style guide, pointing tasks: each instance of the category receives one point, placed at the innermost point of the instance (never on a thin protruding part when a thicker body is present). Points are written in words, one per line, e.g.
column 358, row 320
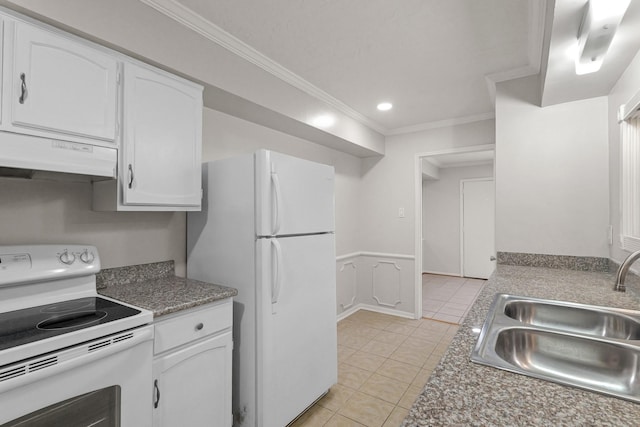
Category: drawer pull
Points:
column 199, row 326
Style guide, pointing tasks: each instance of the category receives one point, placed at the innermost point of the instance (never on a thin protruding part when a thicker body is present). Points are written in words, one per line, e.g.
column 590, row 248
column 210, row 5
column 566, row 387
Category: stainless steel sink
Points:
column 570, row 317
column 591, row 347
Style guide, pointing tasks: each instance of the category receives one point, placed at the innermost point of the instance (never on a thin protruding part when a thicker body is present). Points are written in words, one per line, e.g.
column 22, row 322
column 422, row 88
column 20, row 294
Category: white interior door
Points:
column 478, row 228
column 297, row 320
column 295, row 196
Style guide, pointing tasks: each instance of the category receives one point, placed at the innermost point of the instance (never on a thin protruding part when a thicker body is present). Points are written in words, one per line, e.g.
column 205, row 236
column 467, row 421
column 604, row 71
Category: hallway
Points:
column 448, row 298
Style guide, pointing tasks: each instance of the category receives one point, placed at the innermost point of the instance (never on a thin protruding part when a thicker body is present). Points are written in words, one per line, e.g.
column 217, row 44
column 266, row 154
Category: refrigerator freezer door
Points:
column 294, row 196
column 297, row 323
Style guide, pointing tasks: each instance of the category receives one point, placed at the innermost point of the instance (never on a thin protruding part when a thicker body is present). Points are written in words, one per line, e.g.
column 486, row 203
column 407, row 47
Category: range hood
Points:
column 25, row 152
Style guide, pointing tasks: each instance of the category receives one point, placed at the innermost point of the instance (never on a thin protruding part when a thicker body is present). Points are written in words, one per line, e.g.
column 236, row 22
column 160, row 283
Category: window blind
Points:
column 630, row 175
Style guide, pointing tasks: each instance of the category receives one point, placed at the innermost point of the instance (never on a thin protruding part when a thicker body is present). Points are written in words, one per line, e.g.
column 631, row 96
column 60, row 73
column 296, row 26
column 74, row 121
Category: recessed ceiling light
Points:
column 385, row 106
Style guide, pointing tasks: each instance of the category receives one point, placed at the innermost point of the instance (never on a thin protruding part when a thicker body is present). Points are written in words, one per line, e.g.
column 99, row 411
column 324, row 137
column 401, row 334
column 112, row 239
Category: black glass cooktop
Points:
column 36, row 323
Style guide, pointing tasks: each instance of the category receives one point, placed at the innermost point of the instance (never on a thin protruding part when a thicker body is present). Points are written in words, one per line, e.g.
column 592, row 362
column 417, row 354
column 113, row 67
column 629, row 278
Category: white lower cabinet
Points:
column 192, row 368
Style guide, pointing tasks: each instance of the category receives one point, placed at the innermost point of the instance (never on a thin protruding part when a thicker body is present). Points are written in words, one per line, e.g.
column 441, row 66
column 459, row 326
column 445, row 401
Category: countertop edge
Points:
column 168, row 294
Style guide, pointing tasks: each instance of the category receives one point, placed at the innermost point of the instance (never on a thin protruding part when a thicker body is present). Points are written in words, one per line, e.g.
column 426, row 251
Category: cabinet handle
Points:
column 199, row 326
column 23, row 88
column 130, row 175
column 155, row 385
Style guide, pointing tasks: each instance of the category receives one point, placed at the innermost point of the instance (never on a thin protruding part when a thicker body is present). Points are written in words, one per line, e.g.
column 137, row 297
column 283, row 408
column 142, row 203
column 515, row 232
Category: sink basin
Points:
column 576, row 360
column 591, row 347
column 605, row 322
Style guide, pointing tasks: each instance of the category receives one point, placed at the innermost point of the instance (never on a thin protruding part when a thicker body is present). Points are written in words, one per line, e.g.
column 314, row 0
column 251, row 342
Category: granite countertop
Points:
column 154, row 287
column 462, row 393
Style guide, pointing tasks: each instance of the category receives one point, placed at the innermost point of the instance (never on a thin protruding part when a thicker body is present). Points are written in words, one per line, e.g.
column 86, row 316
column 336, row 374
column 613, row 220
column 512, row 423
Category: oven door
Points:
column 105, row 382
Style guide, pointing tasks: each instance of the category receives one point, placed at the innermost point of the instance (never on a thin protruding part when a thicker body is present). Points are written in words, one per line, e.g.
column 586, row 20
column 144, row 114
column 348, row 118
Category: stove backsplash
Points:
column 134, row 273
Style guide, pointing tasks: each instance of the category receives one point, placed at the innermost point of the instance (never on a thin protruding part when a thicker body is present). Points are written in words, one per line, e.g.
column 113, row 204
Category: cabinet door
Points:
column 192, row 386
column 62, row 86
column 162, row 139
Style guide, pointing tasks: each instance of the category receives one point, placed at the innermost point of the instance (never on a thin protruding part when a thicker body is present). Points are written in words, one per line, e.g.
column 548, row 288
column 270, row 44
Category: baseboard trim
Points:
column 441, row 273
column 376, row 309
column 375, row 255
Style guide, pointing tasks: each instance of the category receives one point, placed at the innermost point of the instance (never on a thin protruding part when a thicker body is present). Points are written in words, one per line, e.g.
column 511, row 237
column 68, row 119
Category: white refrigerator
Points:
column 267, row 228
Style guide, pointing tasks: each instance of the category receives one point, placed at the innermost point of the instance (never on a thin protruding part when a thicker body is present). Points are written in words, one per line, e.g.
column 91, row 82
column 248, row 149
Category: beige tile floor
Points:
column 383, row 363
column 448, row 298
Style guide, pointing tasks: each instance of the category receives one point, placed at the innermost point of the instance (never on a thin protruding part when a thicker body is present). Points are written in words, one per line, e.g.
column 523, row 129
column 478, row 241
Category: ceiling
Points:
column 437, row 61
column 561, row 82
column 430, row 58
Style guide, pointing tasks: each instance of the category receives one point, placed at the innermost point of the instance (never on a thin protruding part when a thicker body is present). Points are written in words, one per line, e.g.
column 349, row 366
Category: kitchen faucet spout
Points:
column 623, row 270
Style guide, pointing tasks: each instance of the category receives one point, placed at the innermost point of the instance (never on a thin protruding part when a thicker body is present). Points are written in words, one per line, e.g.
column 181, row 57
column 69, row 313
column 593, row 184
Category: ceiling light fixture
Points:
column 599, row 24
column 385, row 106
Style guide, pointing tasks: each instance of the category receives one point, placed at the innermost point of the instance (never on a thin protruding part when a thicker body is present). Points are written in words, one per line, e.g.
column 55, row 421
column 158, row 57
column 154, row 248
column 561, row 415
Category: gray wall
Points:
column 43, row 211
column 552, row 175
column 389, row 183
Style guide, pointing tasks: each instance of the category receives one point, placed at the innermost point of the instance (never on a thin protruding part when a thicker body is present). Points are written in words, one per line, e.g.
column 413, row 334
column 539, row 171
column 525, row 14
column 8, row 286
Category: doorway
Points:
column 439, row 224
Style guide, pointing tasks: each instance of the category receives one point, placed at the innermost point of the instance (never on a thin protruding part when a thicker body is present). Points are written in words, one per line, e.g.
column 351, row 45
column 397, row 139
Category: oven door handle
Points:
column 65, row 360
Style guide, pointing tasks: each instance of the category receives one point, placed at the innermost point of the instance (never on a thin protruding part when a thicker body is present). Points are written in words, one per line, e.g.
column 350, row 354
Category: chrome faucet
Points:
column 623, row 270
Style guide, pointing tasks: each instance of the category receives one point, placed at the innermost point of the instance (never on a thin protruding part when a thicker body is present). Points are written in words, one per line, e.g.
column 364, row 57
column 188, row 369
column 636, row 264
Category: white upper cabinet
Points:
column 59, row 87
column 160, row 162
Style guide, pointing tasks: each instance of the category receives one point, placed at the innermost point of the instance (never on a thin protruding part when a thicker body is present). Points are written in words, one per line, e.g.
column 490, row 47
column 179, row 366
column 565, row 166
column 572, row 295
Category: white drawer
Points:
column 192, row 324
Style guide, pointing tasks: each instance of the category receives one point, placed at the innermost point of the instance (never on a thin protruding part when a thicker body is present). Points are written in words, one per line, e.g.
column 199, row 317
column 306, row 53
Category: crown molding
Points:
column 535, row 47
column 442, row 123
column 209, row 30
column 537, row 13
column 187, row 17
column 503, row 76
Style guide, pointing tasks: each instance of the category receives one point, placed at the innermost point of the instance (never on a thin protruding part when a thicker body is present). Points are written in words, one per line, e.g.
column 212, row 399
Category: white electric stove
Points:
column 65, row 350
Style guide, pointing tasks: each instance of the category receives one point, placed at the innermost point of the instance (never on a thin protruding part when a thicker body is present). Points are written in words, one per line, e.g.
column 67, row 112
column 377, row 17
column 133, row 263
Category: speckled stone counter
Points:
column 155, row 288
column 462, row 393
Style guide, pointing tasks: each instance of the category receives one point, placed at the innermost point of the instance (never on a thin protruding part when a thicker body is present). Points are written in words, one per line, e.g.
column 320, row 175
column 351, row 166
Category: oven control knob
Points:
column 87, row 257
column 67, row 258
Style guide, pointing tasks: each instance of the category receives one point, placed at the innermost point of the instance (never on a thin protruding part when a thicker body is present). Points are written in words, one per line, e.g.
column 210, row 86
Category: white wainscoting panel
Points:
column 375, row 281
column 386, row 283
column 346, row 284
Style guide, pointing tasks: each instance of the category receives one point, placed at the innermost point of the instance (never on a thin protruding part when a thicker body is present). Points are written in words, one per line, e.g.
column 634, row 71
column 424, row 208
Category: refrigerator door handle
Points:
column 276, row 268
column 276, row 205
